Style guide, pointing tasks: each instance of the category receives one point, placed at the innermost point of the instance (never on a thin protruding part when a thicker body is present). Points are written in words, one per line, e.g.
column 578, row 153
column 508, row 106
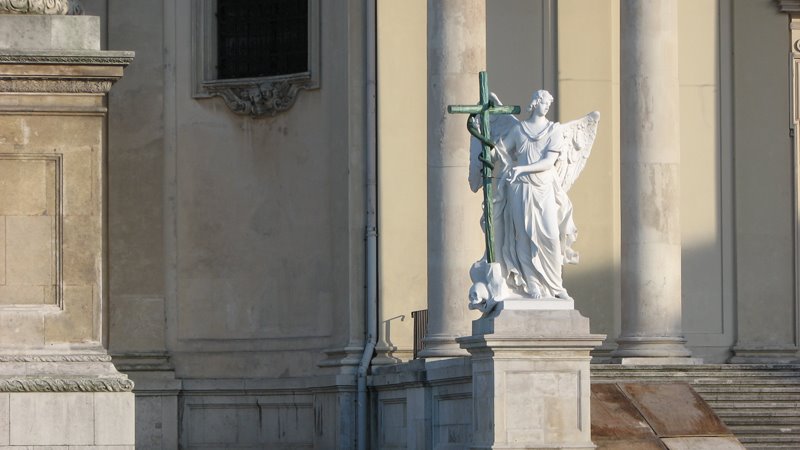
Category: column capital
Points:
column 40, row 7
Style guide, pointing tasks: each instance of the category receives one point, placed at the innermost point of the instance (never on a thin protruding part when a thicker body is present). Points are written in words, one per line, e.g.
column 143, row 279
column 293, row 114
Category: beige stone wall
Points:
column 402, row 173
column 588, row 68
column 231, row 235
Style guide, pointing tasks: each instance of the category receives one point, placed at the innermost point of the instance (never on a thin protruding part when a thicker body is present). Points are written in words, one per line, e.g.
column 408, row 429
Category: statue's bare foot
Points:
column 536, row 292
column 563, row 295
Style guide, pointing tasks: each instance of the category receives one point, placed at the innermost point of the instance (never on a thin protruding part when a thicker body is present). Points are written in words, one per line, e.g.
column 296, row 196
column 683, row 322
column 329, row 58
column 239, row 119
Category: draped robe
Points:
column 533, row 216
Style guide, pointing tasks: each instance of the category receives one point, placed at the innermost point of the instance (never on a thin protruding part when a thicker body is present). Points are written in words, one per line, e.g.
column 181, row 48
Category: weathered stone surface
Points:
column 22, row 295
column 703, row 443
column 23, row 187
column 76, row 323
column 30, row 250
column 52, row 419
column 675, row 409
column 38, row 32
column 614, row 417
column 4, row 418
column 22, row 329
column 114, row 418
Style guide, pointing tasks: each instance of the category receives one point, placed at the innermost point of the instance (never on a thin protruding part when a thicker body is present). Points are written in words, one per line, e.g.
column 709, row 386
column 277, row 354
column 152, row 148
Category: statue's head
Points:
column 541, row 97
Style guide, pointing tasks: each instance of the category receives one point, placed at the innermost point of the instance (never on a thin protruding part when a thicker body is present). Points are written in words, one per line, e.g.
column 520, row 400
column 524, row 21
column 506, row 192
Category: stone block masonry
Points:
column 58, row 387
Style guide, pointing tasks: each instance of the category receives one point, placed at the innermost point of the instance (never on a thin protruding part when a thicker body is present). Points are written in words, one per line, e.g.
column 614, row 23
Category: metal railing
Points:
column 420, row 329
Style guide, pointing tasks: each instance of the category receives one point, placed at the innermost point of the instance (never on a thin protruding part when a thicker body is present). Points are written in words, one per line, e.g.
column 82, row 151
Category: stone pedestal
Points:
column 58, row 386
column 530, row 378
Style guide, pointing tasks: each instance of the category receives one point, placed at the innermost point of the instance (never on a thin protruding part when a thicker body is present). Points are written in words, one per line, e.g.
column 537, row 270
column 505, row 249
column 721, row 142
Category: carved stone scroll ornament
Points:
column 54, row 7
column 68, row 86
column 55, row 358
column 258, row 98
column 65, row 385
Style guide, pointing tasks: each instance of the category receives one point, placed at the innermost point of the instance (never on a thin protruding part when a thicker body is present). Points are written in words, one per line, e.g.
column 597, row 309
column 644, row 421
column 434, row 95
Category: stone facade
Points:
column 235, row 244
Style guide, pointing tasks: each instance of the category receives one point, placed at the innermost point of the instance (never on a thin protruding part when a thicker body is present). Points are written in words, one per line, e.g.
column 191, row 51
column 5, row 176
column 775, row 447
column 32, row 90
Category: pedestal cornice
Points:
column 87, row 72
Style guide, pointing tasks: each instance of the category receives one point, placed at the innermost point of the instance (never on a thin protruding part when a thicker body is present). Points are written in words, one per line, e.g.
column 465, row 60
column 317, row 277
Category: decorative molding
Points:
column 256, row 97
column 53, row 358
column 789, row 6
column 259, row 97
column 56, row 86
column 45, row 384
column 123, row 59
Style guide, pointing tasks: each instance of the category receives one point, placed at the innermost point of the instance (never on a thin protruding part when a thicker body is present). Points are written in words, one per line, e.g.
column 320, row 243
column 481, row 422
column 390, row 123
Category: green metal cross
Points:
column 484, row 109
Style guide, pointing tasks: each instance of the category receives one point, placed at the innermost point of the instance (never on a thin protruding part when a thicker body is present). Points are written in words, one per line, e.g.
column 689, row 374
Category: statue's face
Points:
column 543, row 106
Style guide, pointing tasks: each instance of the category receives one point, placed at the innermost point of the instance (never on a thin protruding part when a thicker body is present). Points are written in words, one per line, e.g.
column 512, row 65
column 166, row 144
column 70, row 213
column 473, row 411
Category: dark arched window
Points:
column 261, row 38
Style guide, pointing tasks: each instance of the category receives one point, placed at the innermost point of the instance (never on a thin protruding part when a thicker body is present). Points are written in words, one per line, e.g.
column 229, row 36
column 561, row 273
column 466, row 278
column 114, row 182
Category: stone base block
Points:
column 524, row 304
column 530, row 379
column 49, row 32
column 69, row 420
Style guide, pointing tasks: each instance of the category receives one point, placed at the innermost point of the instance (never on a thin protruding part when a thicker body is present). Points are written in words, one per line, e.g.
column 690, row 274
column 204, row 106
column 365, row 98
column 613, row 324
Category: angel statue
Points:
column 534, row 163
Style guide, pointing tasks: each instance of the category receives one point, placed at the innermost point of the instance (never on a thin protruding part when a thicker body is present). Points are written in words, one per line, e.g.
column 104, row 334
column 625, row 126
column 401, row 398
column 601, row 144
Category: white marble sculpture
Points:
column 536, row 161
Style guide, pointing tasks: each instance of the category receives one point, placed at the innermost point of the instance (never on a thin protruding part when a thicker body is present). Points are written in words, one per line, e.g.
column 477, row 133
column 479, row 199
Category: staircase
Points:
column 760, row 403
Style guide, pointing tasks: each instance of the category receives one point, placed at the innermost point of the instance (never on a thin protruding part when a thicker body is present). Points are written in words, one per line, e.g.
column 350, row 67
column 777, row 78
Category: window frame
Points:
column 256, row 96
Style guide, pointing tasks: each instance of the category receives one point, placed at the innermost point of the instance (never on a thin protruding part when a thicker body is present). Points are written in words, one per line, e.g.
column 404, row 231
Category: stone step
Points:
column 711, row 388
column 713, row 397
column 772, row 446
column 723, row 377
column 754, row 405
column 786, row 424
column 761, row 412
column 762, row 430
column 749, row 439
column 760, row 404
column 776, row 381
column 726, row 373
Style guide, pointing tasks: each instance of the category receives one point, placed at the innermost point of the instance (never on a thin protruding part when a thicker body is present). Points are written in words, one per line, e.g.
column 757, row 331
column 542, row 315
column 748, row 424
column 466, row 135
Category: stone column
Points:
column 58, row 387
column 456, row 53
column 650, row 184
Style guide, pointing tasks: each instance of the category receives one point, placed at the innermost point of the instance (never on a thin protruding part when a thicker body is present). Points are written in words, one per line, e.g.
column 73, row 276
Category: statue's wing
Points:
column 578, row 138
column 500, row 126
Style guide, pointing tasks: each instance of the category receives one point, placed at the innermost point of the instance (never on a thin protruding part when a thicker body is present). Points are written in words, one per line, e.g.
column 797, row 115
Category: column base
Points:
column 656, row 361
column 441, row 346
column 763, row 354
column 653, row 350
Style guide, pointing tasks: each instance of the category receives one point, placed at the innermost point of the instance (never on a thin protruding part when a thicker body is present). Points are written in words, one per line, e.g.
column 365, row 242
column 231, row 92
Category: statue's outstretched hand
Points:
column 513, row 174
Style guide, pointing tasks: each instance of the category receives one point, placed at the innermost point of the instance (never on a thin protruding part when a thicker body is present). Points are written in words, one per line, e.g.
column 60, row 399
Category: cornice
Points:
column 103, row 58
column 789, row 6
